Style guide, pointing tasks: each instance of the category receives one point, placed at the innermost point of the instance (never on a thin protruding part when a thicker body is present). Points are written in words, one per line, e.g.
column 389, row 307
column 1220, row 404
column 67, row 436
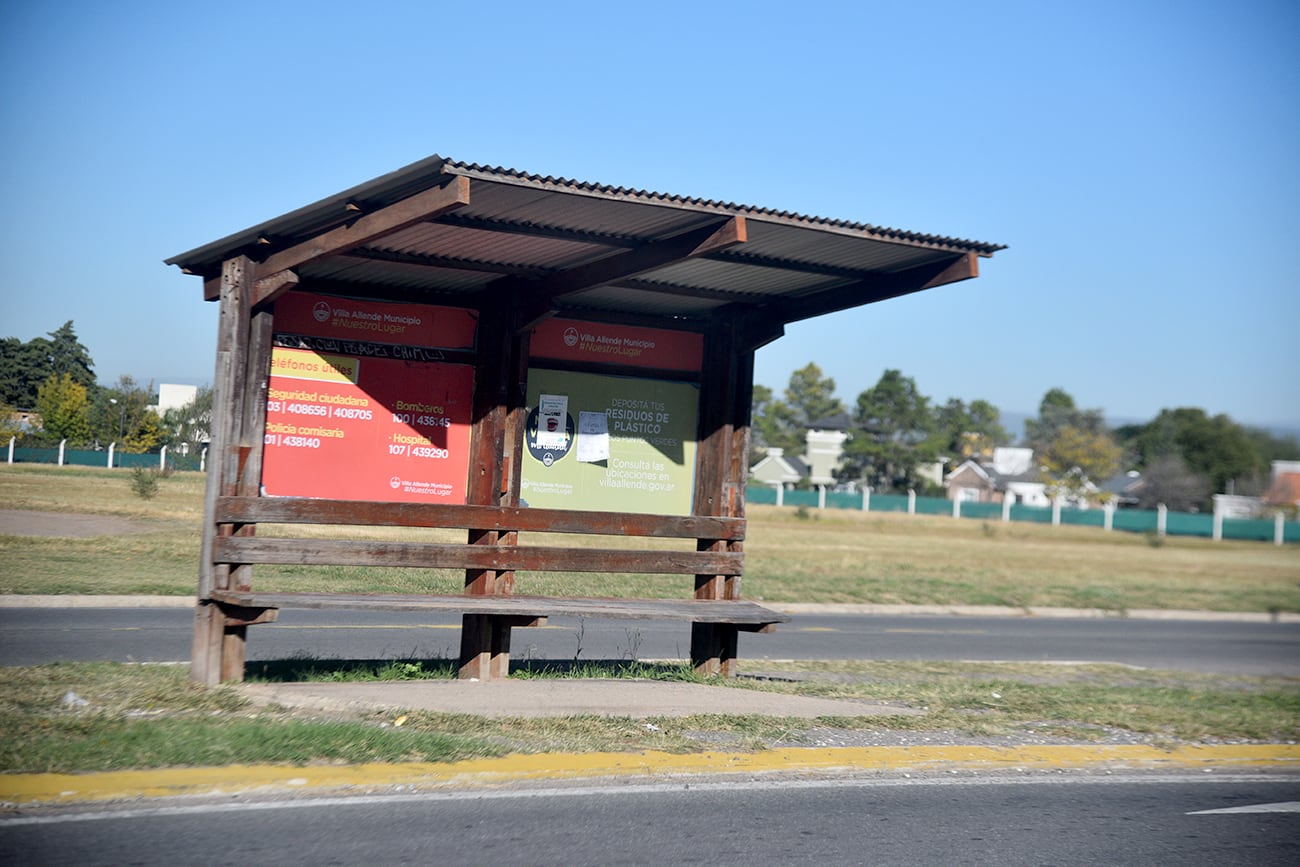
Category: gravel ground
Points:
column 16, row 522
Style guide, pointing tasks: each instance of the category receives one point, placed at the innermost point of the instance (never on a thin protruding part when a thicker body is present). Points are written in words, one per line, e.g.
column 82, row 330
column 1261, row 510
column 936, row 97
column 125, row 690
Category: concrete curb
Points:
column 88, row 601
column 45, row 789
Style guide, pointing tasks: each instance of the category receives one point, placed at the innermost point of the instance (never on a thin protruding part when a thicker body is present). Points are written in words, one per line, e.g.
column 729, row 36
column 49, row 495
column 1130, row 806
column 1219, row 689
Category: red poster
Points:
column 629, row 345
column 375, row 321
column 340, row 427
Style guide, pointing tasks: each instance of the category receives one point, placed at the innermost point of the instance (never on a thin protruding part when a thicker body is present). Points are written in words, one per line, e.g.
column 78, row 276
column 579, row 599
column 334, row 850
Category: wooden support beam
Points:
column 207, row 662
column 877, row 288
column 538, row 298
column 277, row 284
column 409, row 211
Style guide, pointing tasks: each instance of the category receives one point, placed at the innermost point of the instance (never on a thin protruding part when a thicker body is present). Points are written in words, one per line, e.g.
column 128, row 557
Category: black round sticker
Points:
column 556, row 448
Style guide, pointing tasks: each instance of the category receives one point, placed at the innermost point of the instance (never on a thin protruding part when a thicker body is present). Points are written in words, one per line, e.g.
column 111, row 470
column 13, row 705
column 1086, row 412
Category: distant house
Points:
column 779, row 469
column 1284, row 490
column 823, row 456
column 824, row 448
column 1124, row 488
column 174, row 396
column 1011, row 473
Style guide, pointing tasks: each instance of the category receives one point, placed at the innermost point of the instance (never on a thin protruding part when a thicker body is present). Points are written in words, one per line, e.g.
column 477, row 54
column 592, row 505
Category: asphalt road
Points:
column 34, row 636
column 1151, row 820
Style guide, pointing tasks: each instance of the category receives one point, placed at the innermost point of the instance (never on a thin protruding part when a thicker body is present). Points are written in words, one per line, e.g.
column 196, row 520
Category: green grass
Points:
column 839, row 556
column 149, row 716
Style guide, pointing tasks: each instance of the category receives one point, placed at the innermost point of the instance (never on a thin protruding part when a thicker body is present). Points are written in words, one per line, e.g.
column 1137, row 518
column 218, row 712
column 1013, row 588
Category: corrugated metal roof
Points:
column 524, row 228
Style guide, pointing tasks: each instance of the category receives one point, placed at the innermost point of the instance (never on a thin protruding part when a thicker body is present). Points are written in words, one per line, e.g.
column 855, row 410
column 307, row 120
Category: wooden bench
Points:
column 489, row 606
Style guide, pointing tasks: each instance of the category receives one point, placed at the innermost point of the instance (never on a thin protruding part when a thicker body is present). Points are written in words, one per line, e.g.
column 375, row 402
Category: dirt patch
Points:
column 18, row 522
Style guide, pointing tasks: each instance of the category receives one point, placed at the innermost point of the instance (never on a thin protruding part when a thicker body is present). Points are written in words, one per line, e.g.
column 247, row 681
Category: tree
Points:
column 1272, row 447
column 25, row 367
column 145, row 435
column 1076, row 457
column 68, row 355
column 10, row 425
column 62, row 404
column 1167, row 480
column 121, row 415
column 810, row 397
column 972, row 431
column 1056, row 412
column 192, row 424
column 891, row 436
column 1216, row 448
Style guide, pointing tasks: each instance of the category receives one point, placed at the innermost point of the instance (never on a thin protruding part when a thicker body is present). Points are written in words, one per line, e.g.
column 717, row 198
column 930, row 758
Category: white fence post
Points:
column 203, row 460
column 11, row 448
column 911, row 501
column 1108, row 510
column 1056, row 510
column 821, row 496
column 111, row 448
column 956, row 507
column 866, row 498
column 162, row 458
column 1008, row 500
column 1217, row 533
column 62, row 444
column 1162, row 520
column 1279, row 531
column 780, row 491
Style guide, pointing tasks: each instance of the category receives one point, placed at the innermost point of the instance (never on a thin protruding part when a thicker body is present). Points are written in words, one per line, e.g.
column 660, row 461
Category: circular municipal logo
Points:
column 394, row 483
column 570, row 336
column 321, row 311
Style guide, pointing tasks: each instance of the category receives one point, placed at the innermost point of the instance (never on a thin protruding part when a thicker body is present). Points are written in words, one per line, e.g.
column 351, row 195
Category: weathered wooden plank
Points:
column 540, row 296
column 335, row 552
column 487, row 457
column 209, row 645
column 411, row 210
column 289, row 510
column 740, row 613
column 877, row 288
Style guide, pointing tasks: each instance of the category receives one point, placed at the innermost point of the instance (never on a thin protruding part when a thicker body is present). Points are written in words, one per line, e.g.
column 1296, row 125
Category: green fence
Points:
column 99, row 458
column 1126, row 520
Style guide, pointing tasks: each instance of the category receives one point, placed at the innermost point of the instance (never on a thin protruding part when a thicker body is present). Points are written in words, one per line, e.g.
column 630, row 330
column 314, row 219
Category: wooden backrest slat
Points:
column 289, row 510
column 336, row 552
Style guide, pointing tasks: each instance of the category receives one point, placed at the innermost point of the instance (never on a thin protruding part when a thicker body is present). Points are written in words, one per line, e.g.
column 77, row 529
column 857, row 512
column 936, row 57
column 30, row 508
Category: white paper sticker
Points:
column 593, row 437
column 552, row 420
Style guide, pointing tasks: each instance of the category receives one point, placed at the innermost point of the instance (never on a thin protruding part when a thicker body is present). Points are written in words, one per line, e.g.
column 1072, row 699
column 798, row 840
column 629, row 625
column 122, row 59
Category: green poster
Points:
column 609, row 443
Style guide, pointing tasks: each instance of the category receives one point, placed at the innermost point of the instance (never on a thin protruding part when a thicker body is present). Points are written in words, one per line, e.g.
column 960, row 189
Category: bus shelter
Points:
column 477, row 348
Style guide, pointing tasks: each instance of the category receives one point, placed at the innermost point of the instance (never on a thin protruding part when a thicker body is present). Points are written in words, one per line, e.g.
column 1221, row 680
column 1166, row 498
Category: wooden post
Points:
column 496, row 450
column 721, row 472
column 208, row 661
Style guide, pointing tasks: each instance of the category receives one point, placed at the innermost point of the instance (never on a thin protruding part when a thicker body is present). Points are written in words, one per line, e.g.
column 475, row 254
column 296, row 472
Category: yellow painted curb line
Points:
column 237, row 779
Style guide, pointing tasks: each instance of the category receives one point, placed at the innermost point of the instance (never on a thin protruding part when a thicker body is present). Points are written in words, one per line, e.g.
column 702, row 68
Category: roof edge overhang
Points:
column 337, row 209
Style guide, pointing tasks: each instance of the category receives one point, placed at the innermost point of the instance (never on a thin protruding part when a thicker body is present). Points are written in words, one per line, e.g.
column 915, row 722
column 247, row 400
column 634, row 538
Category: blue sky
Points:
column 1139, row 159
